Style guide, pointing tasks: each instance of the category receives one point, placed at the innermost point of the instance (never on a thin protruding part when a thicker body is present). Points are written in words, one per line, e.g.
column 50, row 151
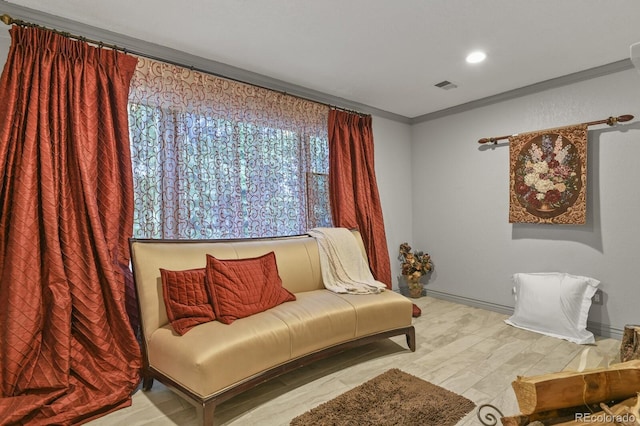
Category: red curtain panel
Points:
column 67, row 351
column 355, row 202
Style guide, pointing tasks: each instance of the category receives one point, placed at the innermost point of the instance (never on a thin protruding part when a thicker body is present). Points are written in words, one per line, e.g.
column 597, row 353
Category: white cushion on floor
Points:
column 555, row 304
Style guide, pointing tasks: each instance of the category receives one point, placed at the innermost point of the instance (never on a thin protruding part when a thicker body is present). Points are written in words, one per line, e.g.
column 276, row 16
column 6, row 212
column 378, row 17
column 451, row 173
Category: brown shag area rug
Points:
column 392, row 398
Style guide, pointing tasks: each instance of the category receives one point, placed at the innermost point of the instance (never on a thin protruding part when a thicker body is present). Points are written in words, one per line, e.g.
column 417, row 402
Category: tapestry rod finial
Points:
column 612, row 121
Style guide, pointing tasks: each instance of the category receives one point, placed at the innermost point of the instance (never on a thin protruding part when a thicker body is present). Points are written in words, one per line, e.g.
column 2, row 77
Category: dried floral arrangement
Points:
column 414, row 265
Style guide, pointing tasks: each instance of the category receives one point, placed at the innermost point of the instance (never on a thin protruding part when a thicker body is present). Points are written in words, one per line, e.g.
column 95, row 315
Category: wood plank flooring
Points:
column 467, row 350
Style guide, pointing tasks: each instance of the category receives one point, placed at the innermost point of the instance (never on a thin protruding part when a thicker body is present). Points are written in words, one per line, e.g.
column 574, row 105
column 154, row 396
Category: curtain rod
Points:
column 8, row 20
column 611, row 121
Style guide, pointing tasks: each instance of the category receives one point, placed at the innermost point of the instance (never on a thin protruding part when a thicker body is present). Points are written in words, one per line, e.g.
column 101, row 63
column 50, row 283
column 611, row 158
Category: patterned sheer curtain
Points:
column 215, row 158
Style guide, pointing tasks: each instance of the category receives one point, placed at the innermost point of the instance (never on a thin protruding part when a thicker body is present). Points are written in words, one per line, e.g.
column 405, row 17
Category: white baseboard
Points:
column 604, row 330
column 503, row 309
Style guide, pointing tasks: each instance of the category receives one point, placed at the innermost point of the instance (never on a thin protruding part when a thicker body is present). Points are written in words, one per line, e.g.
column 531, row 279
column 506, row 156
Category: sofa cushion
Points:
column 379, row 312
column 186, row 298
column 316, row 320
column 214, row 355
column 243, row 287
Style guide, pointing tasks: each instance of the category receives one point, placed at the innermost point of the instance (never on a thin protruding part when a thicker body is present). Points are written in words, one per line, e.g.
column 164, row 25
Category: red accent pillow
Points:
column 186, row 298
column 243, row 287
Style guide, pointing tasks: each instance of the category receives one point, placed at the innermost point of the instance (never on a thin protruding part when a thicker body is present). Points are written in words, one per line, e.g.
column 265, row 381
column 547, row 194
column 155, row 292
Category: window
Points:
column 213, row 158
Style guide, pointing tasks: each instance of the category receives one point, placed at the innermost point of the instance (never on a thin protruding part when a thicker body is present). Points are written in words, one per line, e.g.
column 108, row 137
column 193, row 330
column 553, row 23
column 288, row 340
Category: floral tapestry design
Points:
column 548, row 176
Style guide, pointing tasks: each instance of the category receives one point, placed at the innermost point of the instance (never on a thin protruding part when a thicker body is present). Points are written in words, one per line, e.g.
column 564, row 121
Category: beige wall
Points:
column 392, row 142
column 463, row 216
column 5, row 42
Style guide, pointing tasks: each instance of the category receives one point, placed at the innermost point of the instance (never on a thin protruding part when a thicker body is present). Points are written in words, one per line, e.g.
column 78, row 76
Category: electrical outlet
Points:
column 597, row 298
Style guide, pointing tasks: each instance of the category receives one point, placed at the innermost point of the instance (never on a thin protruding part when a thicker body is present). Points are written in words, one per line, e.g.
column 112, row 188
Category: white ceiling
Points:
column 381, row 53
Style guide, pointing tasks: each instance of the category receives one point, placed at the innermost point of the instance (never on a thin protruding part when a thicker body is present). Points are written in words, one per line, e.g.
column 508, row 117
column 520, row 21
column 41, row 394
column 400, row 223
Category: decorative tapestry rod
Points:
column 611, row 121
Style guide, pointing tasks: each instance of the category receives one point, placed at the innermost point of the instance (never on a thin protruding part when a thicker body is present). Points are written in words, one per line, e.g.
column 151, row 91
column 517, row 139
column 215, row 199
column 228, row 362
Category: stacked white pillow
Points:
column 555, row 304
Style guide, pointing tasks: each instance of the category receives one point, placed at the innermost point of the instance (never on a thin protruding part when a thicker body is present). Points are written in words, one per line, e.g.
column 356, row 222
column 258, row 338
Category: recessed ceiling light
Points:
column 475, row 57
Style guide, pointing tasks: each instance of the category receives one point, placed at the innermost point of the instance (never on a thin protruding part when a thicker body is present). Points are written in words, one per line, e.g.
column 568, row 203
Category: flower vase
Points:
column 415, row 286
column 545, row 208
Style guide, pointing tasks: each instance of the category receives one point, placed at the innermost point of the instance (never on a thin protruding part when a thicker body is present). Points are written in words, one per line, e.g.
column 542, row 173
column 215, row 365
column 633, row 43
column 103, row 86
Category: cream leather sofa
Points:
column 214, row 361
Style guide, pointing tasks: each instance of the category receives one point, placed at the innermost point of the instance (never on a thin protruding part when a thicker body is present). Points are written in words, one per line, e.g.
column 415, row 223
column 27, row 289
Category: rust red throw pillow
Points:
column 186, row 298
column 243, row 287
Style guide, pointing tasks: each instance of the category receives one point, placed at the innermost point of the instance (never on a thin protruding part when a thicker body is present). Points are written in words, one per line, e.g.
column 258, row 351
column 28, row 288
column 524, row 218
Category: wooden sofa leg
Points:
column 411, row 339
column 147, row 382
column 205, row 413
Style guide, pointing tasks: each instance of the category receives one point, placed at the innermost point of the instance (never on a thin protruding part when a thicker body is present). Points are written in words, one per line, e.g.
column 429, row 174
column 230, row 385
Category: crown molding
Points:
column 166, row 54
column 553, row 83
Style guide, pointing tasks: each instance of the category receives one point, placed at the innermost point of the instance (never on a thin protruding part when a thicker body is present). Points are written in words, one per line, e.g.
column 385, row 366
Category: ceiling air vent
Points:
column 446, row 85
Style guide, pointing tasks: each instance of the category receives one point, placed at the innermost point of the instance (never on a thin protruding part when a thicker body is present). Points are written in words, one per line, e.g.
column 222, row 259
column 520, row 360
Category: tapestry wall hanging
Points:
column 548, row 176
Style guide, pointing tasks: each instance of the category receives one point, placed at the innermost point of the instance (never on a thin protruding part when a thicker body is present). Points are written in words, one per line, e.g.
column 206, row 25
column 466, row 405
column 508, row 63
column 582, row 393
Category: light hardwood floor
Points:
column 467, row 350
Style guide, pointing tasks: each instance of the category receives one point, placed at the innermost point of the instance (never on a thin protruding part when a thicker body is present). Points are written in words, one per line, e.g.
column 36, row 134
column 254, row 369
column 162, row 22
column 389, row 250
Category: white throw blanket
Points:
column 344, row 269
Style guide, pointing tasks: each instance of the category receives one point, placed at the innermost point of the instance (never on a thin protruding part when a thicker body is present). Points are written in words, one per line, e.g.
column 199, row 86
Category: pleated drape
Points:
column 355, row 202
column 67, row 350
